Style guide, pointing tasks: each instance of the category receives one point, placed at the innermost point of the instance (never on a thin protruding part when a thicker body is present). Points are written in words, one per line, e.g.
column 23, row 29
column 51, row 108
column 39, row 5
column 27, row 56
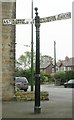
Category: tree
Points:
column 46, row 58
column 24, row 61
column 17, row 64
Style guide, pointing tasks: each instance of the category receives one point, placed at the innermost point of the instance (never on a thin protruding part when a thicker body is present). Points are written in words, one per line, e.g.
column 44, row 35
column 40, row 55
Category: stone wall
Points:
column 0, row 61
column 8, row 50
column 0, row 50
column 73, row 29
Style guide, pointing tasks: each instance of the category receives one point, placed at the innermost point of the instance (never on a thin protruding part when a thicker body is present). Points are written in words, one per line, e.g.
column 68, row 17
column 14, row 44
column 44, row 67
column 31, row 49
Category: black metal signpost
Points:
column 37, row 108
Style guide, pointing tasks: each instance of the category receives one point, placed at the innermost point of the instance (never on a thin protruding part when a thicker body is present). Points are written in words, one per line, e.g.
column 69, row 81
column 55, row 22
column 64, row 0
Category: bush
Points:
column 59, row 75
column 42, row 77
column 27, row 73
column 69, row 74
column 62, row 77
column 45, row 77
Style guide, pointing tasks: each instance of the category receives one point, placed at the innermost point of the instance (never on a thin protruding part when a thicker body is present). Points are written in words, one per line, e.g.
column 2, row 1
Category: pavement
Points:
column 58, row 106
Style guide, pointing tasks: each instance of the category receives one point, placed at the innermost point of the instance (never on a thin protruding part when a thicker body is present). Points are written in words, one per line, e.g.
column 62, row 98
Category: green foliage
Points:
column 27, row 73
column 24, row 61
column 44, row 77
column 65, row 75
column 59, row 75
column 51, row 78
column 62, row 77
column 69, row 74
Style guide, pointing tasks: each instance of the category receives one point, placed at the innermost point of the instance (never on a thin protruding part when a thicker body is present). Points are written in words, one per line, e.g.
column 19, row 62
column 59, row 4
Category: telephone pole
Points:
column 54, row 57
column 32, row 49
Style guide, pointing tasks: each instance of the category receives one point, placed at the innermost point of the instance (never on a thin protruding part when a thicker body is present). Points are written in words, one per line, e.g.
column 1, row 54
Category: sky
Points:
column 59, row 31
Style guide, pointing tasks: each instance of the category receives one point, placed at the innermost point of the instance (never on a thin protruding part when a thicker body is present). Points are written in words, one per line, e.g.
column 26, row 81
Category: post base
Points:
column 37, row 109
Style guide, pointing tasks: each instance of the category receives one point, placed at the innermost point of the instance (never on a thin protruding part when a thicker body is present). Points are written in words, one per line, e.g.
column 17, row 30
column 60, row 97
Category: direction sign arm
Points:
column 61, row 16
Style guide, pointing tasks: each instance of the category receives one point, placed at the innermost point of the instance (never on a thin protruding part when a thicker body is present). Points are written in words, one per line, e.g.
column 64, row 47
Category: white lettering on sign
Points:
column 61, row 16
column 64, row 16
column 47, row 19
column 6, row 21
column 56, row 17
column 17, row 21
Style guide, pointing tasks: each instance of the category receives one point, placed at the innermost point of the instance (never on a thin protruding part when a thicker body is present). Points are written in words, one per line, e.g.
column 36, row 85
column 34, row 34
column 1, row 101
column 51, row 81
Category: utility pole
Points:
column 37, row 108
column 55, row 59
column 32, row 78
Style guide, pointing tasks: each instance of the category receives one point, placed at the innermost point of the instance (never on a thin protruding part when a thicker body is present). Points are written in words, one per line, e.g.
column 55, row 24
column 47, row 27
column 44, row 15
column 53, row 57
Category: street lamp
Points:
column 37, row 108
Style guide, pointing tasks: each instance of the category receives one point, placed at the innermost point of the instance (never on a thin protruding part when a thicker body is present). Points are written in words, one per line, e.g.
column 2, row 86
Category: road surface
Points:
column 58, row 106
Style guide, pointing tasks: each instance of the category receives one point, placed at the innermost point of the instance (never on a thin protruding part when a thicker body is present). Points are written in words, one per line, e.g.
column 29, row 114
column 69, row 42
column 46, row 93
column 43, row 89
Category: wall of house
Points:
column 7, row 49
column 48, row 69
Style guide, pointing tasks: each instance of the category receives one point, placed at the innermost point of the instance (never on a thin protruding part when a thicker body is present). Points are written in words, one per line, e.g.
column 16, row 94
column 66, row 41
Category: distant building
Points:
column 47, row 68
column 46, row 64
column 65, row 65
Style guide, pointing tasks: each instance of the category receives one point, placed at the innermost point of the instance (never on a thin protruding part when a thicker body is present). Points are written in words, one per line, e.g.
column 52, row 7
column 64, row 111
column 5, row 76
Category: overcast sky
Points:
column 59, row 31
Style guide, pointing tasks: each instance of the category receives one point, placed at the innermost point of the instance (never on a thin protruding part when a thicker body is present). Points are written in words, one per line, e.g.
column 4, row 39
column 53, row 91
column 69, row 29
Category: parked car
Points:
column 21, row 83
column 69, row 84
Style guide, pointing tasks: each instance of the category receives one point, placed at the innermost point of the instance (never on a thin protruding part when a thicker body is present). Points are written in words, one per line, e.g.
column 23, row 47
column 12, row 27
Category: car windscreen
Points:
column 21, row 80
column 71, row 81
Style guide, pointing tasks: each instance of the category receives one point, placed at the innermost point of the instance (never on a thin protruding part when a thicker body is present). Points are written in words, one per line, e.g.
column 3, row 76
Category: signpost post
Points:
column 38, row 20
column 37, row 108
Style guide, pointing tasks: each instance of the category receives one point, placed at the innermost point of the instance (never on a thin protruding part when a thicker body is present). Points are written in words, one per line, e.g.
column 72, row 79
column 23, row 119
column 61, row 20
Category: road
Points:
column 59, row 93
column 58, row 106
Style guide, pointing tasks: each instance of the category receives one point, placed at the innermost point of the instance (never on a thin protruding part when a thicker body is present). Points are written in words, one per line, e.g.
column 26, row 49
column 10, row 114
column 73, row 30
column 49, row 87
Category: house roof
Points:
column 67, row 62
column 45, row 65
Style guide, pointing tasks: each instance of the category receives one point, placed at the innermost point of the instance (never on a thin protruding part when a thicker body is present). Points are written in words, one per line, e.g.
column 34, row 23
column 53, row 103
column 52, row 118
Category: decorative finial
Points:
column 36, row 10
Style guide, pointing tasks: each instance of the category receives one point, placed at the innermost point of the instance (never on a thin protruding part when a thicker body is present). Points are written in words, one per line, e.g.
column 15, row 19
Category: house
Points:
column 46, row 65
column 65, row 65
column 47, row 68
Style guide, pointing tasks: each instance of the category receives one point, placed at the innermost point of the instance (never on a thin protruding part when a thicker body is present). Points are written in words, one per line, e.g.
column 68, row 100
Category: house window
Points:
column 61, row 69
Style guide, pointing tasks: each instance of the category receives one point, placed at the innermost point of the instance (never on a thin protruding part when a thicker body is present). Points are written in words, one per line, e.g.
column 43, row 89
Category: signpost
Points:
column 37, row 21
column 37, row 108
